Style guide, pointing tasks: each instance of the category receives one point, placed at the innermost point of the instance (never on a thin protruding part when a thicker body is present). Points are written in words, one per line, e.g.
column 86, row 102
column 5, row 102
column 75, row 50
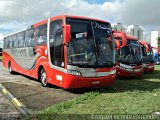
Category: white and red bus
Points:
column 129, row 55
column 67, row 51
column 148, row 57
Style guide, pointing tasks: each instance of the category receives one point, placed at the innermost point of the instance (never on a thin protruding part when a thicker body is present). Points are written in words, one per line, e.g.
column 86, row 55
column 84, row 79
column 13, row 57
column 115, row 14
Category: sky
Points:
column 17, row 14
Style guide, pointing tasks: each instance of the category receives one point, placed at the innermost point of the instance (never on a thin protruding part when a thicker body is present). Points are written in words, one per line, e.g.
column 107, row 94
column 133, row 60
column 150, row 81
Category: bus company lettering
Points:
column 100, row 26
column 19, row 52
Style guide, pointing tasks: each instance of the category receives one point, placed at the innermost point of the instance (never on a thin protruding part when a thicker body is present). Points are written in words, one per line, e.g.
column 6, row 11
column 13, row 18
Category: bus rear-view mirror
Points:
column 118, row 45
column 123, row 36
column 67, row 33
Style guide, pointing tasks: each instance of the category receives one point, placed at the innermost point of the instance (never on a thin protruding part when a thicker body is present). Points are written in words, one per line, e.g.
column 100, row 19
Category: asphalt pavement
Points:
column 6, row 107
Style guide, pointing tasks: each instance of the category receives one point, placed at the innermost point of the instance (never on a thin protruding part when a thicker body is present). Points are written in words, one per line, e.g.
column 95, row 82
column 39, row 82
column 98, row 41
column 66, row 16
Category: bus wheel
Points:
column 43, row 78
column 10, row 68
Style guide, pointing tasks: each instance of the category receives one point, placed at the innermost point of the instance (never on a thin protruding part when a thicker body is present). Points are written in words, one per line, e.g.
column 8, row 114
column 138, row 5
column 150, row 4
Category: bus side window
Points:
column 21, row 38
column 15, row 40
column 6, row 43
column 56, row 43
column 41, row 35
column 10, row 42
column 29, row 38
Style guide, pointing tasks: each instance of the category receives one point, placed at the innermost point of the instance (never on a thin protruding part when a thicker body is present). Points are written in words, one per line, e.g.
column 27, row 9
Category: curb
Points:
column 19, row 106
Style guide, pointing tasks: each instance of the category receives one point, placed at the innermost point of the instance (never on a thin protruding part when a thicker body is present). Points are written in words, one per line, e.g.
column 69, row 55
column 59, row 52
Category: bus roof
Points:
column 70, row 16
column 7, row 35
column 143, row 42
column 119, row 35
column 83, row 17
column 60, row 16
column 131, row 37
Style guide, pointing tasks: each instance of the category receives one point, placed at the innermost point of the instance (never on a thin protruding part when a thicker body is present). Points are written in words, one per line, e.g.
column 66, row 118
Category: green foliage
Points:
column 48, row 113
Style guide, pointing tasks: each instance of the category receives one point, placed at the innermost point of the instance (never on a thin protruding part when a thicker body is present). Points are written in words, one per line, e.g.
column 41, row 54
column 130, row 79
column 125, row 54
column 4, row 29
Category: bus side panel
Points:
column 15, row 66
column 5, row 59
column 41, row 60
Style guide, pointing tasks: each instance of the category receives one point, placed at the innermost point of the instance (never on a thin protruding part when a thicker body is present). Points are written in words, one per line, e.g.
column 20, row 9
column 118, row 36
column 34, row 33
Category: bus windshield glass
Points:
column 149, row 56
column 130, row 54
column 91, row 45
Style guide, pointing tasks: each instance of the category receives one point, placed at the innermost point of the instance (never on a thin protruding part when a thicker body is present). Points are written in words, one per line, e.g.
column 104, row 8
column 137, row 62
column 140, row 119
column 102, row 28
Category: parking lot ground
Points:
column 30, row 92
column 6, row 107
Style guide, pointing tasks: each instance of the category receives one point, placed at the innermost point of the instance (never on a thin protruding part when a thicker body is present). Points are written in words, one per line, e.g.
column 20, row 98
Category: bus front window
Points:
column 149, row 56
column 130, row 54
column 91, row 44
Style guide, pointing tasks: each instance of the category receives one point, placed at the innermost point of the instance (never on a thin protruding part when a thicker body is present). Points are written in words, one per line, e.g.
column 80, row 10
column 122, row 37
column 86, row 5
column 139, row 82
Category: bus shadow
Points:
column 132, row 85
column 153, row 75
column 121, row 86
column 83, row 90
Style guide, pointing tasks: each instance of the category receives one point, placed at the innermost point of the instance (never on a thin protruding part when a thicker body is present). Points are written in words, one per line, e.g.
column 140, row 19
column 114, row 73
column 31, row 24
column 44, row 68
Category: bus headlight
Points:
column 113, row 72
column 74, row 72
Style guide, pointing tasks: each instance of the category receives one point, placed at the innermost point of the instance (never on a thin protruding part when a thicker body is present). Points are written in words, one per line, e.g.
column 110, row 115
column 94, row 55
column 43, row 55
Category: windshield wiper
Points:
column 95, row 44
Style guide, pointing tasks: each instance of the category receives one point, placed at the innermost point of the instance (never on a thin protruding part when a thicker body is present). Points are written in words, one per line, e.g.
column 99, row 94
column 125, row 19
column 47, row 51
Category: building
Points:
column 140, row 34
column 118, row 27
column 132, row 30
column 154, row 39
column 136, row 31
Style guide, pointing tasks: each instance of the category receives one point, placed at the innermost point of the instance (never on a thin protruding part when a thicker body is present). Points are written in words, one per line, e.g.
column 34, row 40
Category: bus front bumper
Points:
column 148, row 68
column 130, row 72
column 84, row 82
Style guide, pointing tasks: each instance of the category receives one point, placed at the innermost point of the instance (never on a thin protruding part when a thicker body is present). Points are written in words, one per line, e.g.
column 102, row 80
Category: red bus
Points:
column 129, row 55
column 148, row 57
column 67, row 51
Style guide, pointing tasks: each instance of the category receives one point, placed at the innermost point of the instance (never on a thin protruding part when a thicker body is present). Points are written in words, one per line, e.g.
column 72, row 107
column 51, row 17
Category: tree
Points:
column 158, row 38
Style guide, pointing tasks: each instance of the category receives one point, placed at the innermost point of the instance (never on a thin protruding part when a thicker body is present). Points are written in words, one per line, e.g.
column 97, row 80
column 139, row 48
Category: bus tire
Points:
column 10, row 68
column 43, row 78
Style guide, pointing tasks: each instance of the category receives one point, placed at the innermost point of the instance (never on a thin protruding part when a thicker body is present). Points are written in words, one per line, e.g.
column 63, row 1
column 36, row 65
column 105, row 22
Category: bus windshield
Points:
column 149, row 56
column 130, row 54
column 91, row 44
